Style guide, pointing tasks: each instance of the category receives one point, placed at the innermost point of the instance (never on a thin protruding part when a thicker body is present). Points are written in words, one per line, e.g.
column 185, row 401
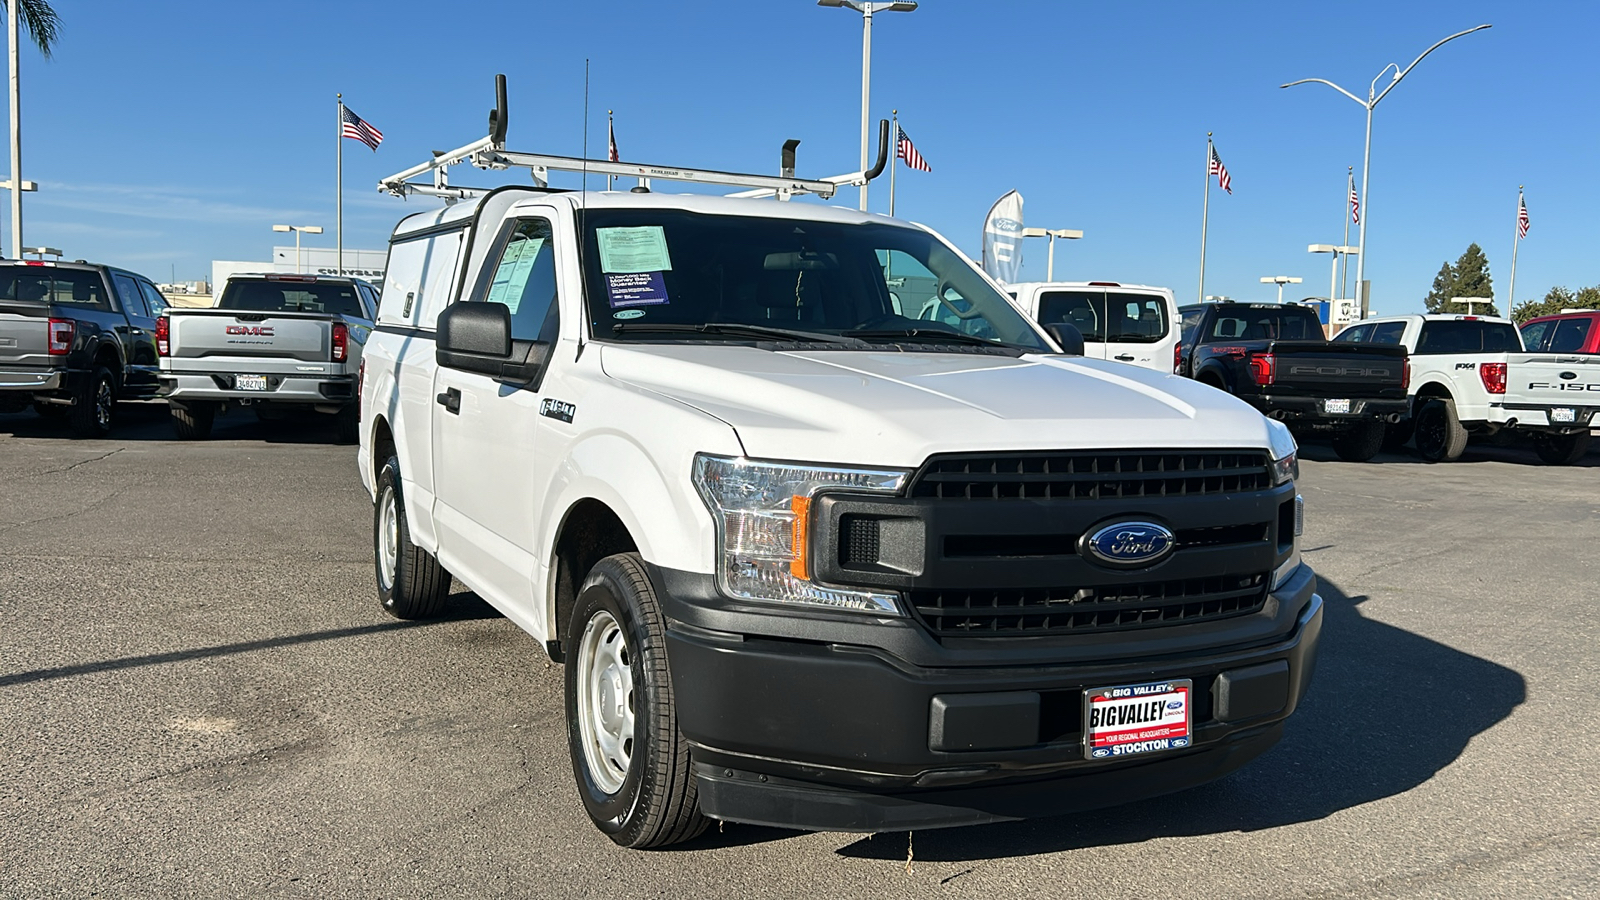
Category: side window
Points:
column 419, row 279
column 153, row 299
column 128, row 293
column 1568, row 335
column 1083, row 309
column 525, row 281
column 1533, row 335
column 1136, row 318
column 1355, row 334
column 1388, row 332
column 1191, row 321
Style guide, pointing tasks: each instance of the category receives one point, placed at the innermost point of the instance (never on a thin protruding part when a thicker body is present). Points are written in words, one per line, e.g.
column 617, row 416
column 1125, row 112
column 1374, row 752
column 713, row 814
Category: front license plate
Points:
column 249, row 382
column 1563, row 414
column 1136, row 718
column 1336, row 407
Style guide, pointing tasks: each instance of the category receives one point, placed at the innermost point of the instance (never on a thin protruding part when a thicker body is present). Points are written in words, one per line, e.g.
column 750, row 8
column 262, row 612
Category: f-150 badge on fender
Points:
column 558, row 409
column 1130, row 544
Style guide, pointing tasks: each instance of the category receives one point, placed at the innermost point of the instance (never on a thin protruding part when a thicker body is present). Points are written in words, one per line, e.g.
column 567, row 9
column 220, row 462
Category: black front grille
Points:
column 1044, row 611
column 1089, row 475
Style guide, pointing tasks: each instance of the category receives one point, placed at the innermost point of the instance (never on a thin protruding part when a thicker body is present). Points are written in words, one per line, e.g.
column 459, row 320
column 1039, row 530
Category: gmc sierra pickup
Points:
column 1274, row 357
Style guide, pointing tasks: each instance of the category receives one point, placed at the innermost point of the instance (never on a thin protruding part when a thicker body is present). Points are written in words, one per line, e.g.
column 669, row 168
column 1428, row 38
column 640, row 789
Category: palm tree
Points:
column 41, row 21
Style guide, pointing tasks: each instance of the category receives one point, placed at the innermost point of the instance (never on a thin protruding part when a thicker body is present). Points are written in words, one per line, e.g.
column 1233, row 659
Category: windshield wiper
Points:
column 733, row 329
column 923, row 335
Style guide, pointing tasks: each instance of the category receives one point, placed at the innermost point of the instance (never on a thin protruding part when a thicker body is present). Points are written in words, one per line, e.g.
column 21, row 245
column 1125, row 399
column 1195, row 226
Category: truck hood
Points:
column 889, row 408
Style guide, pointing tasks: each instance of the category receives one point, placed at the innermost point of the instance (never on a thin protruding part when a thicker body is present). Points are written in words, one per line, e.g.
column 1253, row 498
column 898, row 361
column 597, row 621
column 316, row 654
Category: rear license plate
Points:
column 1137, row 718
column 1336, row 407
column 1563, row 414
column 250, row 382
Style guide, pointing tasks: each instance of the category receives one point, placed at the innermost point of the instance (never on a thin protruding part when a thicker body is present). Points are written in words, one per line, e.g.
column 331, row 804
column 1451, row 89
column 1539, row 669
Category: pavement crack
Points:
column 81, row 462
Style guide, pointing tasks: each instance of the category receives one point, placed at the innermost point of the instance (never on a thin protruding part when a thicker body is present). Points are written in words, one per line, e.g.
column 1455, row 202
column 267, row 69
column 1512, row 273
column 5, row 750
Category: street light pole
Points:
column 1070, row 234
column 1371, row 103
column 867, row 8
column 297, row 229
column 1280, row 281
column 14, row 30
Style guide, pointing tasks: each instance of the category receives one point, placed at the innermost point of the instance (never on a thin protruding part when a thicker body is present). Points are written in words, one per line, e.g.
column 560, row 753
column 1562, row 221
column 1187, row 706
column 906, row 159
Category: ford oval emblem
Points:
column 1568, row 376
column 1131, row 544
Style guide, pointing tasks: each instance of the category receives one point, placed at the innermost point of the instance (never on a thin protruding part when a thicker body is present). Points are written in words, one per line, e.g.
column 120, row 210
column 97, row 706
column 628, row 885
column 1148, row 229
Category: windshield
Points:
column 331, row 297
column 1467, row 336
column 683, row 270
column 1266, row 323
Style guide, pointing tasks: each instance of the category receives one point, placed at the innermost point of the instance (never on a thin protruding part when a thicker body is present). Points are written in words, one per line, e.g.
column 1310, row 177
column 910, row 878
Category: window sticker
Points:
column 636, row 289
column 640, row 249
column 511, row 278
column 627, row 314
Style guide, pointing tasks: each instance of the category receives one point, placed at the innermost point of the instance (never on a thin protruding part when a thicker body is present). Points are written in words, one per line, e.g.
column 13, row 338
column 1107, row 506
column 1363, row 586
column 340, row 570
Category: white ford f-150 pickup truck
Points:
column 811, row 561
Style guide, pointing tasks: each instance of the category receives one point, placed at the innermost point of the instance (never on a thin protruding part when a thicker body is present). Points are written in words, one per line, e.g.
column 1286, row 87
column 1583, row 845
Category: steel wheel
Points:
column 388, row 539
column 605, row 701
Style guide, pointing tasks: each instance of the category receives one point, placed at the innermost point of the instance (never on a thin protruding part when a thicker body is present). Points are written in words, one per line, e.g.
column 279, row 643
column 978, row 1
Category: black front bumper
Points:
column 861, row 723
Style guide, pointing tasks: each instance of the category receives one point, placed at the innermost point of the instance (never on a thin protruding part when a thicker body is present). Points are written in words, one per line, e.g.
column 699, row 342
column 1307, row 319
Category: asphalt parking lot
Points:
column 200, row 696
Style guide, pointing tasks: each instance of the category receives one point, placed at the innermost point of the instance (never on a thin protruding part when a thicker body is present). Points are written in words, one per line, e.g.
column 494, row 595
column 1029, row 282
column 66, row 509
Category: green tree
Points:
column 40, row 20
column 1557, row 299
column 1467, row 277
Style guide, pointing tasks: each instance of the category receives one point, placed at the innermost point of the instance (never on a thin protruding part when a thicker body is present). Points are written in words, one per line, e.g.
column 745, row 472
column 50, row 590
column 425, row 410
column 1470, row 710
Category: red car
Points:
column 1572, row 332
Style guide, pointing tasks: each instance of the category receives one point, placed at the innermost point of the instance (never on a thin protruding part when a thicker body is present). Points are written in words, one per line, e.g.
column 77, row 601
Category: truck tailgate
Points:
column 1353, row 370
column 24, row 338
column 1551, row 389
column 204, row 337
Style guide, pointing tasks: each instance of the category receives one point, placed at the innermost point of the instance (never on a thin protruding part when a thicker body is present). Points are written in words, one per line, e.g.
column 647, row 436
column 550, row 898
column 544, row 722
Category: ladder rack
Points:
column 489, row 153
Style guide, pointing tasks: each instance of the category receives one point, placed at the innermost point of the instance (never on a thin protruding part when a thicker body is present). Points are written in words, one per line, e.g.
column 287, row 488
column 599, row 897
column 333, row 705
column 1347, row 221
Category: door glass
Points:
column 1355, row 334
column 128, row 293
column 1135, row 318
column 1191, row 321
column 1533, row 335
column 1568, row 335
column 1388, row 332
column 525, row 281
column 153, row 298
column 1083, row 309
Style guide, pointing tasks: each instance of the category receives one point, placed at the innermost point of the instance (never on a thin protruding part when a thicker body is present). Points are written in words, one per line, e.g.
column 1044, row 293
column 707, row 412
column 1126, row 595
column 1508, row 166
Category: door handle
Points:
column 136, row 331
column 451, row 400
column 1126, row 357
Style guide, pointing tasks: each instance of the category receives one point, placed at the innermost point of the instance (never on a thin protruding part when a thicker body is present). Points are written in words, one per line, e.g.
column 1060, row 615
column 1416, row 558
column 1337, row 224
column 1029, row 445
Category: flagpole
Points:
column 1516, row 242
column 611, row 136
column 1205, row 215
column 338, row 202
column 894, row 132
column 1350, row 187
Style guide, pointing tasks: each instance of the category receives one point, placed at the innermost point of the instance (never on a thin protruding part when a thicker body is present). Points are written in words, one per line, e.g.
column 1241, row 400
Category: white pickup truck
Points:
column 275, row 343
column 1557, row 398
column 812, row 561
column 1130, row 323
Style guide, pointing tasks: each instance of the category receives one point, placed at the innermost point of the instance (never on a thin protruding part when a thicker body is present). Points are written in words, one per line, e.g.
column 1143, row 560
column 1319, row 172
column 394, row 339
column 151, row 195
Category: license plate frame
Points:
column 1339, row 407
column 1563, row 415
column 1144, row 730
column 254, row 383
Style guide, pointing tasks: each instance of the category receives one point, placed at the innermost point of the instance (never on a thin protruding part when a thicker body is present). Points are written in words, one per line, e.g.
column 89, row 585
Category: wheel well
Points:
column 107, row 356
column 382, row 444
column 1213, row 378
column 1432, row 390
column 590, row 533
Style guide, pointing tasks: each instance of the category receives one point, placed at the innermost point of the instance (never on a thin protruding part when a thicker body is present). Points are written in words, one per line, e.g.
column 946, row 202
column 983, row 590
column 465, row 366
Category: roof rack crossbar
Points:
column 489, row 153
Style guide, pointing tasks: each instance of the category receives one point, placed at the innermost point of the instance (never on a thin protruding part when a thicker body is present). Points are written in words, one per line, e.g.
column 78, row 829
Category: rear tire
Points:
column 1360, row 442
column 347, row 425
column 411, row 583
column 631, row 762
column 193, row 422
column 1561, row 449
column 94, row 405
column 1440, row 435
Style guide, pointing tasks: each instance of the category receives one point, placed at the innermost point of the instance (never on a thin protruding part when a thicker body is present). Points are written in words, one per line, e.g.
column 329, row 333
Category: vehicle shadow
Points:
column 1387, row 711
column 148, row 420
column 1478, row 450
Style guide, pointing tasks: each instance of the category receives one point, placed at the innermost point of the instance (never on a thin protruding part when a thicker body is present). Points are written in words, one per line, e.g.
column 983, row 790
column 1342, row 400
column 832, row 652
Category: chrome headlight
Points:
column 763, row 514
column 1285, row 452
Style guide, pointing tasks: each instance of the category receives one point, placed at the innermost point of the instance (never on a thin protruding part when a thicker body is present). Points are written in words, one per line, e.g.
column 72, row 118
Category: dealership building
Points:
column 367, row 264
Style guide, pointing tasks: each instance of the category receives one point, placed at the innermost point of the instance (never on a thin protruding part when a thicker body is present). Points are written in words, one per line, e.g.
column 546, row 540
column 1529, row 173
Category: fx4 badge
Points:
column 558, row 409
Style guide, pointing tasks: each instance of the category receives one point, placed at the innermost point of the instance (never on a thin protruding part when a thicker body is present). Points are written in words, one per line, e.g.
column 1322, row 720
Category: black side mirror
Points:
column 474, row 337
column 1066, row 335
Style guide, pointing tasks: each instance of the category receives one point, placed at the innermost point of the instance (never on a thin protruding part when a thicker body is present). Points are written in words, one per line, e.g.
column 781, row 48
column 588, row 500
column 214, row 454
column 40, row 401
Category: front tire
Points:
column 1360, row 442
column 411, row 583
column 94, row 406
column 1440, row 435
column 193, row 422
column 630, row 761
column 1561, row 449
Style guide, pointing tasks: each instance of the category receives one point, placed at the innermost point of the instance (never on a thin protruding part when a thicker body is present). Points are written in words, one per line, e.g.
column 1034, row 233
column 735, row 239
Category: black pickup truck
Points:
column 1275, row 357
column 74, row 339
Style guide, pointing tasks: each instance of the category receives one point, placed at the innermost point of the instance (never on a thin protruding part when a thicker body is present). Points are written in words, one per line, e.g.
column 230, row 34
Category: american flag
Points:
column 611, row 141
column 1355, row 203
column 1522, row 218
column 353, row 126
column 904, row 150
column 1221, row 171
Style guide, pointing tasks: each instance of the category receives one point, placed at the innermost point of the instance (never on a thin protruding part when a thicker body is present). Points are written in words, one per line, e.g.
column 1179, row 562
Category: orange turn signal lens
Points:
column 799, row 563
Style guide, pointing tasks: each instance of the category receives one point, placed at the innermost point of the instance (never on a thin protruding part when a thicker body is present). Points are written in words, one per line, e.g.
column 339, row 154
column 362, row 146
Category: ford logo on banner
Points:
column 1130, row 544
column 1008, row 226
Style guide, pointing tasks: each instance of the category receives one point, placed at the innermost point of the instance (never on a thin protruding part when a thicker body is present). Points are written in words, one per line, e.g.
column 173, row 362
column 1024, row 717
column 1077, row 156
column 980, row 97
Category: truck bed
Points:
column 229, row 340
column 1321, row 368
column 1552, row 390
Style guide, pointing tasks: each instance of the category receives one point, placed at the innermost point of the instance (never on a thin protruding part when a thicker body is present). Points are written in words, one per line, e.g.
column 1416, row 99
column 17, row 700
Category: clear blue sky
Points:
column 169, row 134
